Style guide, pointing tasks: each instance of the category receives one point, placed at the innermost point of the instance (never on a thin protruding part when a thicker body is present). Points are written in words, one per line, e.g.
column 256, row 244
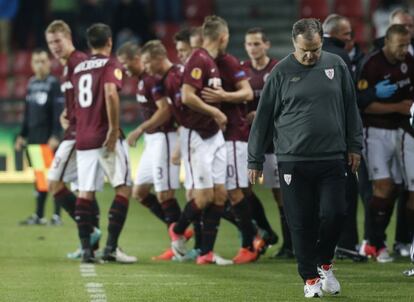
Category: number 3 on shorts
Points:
column 85, row 90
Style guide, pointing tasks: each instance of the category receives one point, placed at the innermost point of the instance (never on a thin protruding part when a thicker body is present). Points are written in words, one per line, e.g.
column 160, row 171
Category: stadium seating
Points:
column 21, row 64
column 4, row 88
column 4, row 65
column 354, row 8
column 195, row 10
column 318, row 9
column 20, row 86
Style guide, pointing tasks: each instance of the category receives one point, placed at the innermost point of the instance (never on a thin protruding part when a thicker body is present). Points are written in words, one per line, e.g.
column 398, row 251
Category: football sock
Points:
column 117, row 217
column 95, row 213
column 228, row 214
column 380, row 211
column 171, row 210
column 40, row 203
column 83, row 213
column 409, row 214
column 210, row 223
column 258, row 213
column 151, row 202
column 190, row 212
column 242, row 213
column 67, row 200
column 197, row 232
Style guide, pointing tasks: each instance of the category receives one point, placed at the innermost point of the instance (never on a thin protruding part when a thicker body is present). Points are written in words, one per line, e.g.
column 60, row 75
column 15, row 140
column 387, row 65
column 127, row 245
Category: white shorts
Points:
column 381, row 152
column 407, row 159
column 271, row 172
column 236, row 174
column 155, row 165
column 115, row 165
column 204, row 159
column 63, row 167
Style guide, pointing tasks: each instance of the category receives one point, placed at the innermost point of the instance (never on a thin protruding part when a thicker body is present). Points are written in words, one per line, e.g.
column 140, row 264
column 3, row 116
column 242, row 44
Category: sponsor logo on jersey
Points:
column 362, row 84
column 266, row 76
column 196, row 73
column 295, row 79
column 330, row 73
column 118, row 74
column 287, row 178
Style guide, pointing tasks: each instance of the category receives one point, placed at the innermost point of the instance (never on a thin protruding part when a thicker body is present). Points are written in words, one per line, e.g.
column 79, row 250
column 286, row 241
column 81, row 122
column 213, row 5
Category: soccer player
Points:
column 234, row 91
column 313, row 127
column 182, row 45
column 44, row 104
column 385, row 97
column 63, row 169
column 202, row 142
column 155, row 166
column 258, row 69
column 99, row 143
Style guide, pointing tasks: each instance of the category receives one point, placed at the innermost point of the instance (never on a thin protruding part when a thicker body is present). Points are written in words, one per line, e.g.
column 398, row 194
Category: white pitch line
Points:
column 95, row 290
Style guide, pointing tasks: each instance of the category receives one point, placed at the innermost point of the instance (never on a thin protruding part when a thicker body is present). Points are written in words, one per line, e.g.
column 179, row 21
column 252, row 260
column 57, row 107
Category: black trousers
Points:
column 315, row 206
column 349, row 235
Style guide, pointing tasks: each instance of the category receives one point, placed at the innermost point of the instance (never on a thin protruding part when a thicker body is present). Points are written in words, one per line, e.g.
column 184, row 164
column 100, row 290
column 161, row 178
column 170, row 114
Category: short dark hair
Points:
column 307, row 27
column 129, row 49
column 97, row 35
column 183, row 36
column 196, row 31
column 258, row 30
column 39, row 50
column 396, row 29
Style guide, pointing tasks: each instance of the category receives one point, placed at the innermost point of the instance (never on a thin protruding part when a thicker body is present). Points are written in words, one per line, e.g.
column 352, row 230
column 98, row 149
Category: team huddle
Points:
column 198, row 112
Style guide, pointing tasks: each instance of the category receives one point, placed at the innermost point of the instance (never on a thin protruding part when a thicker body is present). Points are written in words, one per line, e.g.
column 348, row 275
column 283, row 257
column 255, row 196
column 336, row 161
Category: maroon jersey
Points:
column 89, row 78
column 376, row 69
column 257, row 79
column 231, row 72
column 201, row 71
column 66, row 86
column 147, row 98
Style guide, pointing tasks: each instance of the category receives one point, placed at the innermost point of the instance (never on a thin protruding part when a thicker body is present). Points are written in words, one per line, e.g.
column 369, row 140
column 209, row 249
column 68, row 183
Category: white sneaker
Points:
column 313, row 288
column 362, row 248
column 178, row 247
column 402, row 249
column 383, row 256
column 221, row 261
column 119, row 256
column 329, row 282
column 409, row 273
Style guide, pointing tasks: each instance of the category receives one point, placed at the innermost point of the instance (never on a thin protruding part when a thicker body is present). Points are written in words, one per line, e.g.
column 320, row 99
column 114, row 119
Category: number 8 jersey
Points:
column 88, row 80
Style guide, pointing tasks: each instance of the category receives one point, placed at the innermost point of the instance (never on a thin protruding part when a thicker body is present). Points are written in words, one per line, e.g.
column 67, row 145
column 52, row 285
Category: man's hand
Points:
column 250, row 117
column 354, row 160
column 215, row 95
column 110, row 141
column 220, row 118
column 384, row 89
column 254, row 175
column 133, row 137
column 64, row 122
column 404, row 107
column 19, row 143
column 53, row 142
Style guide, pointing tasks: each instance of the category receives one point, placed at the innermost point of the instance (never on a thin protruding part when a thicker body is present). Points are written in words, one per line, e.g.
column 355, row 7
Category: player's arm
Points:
column 21, row 138
column 244, row 93
column 402, row 107
column 261, row 133
column 57, row 104
column 160, row 117
column 192, row 100
column 112, row 111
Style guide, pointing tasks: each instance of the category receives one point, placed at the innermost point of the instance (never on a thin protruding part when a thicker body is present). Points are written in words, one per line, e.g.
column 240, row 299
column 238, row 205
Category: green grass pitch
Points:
column 33, row 264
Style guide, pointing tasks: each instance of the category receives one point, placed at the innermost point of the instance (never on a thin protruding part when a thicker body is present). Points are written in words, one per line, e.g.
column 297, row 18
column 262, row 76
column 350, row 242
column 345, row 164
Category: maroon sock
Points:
column 210, row 222
column 171, row 210
column 190, row 213
column 83, row 213
column 117, row 217
column 67, row 200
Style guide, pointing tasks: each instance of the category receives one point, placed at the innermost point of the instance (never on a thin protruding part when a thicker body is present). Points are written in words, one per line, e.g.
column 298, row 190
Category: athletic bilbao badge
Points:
column 330, row 73
column 287, row 178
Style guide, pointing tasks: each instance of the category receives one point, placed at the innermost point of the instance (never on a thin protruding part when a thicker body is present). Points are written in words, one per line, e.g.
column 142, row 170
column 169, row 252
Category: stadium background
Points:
column 22, row 23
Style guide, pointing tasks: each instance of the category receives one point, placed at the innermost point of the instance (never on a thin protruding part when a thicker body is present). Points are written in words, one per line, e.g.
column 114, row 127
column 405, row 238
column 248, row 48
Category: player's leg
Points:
column 116, row 167
column 379, row 152
column 236, row 179
column 88, row 181
column 144, row 179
